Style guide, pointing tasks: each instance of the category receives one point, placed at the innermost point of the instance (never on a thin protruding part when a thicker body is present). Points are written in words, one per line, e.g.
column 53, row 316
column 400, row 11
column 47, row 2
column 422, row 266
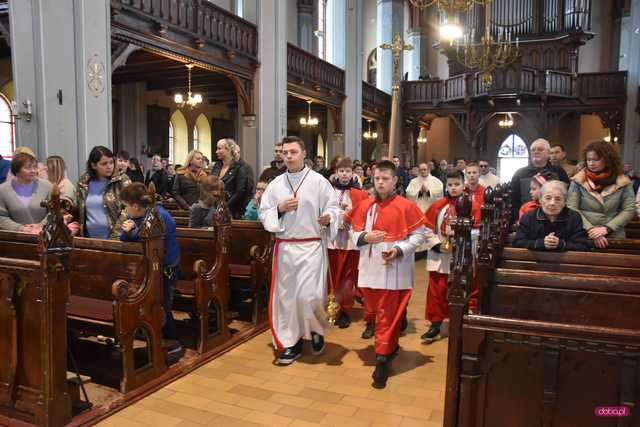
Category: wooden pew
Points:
column 34, row 289
column 204, row 286
column 556, row 334
column 632, row 229
column 116, row 291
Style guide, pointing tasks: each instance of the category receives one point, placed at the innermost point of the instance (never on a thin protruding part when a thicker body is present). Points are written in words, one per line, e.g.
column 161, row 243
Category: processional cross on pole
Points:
column 397, row 47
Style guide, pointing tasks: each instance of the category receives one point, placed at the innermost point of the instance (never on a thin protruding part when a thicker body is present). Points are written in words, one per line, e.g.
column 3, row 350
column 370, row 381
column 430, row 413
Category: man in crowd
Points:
column 277, row 166
column 425, row 188
column 540, row 163
column 558, row 157
column 158, row 175
column 461, row 164
column 403, row 175
column 487, row 178
column 320, row 167
column 301, row 208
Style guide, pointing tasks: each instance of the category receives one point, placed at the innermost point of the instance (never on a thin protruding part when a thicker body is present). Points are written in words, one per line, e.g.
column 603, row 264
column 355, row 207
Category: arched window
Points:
column 195, row 138
column 180, row 132
column 513, row 154
column 203, row 130
column 372, row 67
column 7, row 141
column 321, row 31
column 171, row 143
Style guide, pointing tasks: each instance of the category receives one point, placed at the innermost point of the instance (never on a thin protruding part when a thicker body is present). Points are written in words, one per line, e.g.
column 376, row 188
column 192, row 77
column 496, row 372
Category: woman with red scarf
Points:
column 602, row 194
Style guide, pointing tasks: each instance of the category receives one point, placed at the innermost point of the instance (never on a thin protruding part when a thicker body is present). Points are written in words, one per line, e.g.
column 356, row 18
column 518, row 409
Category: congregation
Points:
column 351, row 231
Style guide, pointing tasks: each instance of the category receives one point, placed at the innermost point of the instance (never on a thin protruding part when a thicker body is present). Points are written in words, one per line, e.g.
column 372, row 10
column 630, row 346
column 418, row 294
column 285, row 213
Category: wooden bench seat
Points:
column 116, row 291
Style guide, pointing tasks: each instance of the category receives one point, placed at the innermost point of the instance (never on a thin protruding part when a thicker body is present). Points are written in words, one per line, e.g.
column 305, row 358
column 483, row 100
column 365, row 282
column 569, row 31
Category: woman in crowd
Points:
column 552, row 226
column 211, row 192
column 233, row 176
column 186, row 184
column 134, row 171
column 602, row 194
column 57, row 174
column 21, row 197
column 98, row 196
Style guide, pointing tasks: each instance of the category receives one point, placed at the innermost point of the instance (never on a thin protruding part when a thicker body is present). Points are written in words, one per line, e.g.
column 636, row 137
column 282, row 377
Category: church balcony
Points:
column 376, row 104
column 311, row 77
column 189, row 31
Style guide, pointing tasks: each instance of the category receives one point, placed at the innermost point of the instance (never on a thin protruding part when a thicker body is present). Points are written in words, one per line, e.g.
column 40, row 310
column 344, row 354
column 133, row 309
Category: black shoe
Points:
column 433, row 334
column 290, row 354
column 359, row 300
column 317, row 343
column 344, row 321
column 174, row 353
column 370, row 330
column 380, row 375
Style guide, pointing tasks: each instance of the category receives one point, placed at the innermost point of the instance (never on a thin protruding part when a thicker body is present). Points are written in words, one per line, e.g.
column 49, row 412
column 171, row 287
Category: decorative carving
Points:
column 95, row 76
column 199, row 43
column 55, row 235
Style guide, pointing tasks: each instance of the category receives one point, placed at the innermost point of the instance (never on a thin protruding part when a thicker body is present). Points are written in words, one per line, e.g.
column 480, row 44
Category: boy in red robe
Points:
column 388, row 229
column 473, row 188
column 438, row 220
column 343, row 253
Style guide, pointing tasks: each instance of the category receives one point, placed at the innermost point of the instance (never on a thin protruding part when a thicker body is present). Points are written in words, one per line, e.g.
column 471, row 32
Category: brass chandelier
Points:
column 489, row 53
column 449, row 6
column 192, row 99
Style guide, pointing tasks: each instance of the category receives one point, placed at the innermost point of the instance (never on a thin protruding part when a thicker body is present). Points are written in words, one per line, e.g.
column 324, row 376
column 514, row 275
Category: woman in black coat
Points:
column 552, row 226
column 233, row 176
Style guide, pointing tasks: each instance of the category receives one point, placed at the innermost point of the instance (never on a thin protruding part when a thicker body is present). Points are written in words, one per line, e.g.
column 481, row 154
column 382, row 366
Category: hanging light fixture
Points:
column 422, row 135
column 368, row 134
column 192, row 99
column 507, row 122
column 448, row 5
column 309, row 121
column 489, row 53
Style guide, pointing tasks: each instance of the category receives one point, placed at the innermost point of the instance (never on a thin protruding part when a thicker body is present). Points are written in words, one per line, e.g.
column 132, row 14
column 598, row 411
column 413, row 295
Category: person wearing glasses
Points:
column 487, row 178
column 251, row 212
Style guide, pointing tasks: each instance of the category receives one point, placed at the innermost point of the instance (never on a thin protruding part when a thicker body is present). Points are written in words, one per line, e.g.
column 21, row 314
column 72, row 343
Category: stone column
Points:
column 271, row 78
column 61, row 58
column 248, row 138
column 632, row 116
column 352, row 105
column 305, row 25
column 390, row 20
column 132, row 119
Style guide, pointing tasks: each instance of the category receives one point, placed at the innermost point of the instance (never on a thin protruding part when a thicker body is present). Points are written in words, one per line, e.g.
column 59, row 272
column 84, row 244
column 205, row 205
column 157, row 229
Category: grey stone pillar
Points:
column 352, row 106
column 632, row 117
column 272, row 77
column 132, row 119
column 305, row 25
column 390, row 20
column 61, row 58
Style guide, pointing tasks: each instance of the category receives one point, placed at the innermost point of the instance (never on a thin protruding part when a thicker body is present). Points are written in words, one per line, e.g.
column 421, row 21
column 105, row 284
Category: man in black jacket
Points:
column 540, row 164
column 158, row 175
column 552, row 226
column 277, row 165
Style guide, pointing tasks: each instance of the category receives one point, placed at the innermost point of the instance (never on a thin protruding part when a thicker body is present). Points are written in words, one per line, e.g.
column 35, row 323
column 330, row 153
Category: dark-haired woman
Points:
column 137, row 203
column 134, row 171
column 602, row 194
column 98, row 196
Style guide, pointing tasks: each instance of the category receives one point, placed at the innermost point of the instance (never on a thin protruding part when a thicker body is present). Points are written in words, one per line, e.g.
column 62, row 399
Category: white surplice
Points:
column 343, row 238
column 398, row 273
column 298, row 288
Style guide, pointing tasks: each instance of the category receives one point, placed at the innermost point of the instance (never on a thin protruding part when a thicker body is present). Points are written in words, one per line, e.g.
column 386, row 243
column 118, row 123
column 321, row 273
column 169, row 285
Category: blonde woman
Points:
column 233, row 176
column 57, row 174
column 186, row 184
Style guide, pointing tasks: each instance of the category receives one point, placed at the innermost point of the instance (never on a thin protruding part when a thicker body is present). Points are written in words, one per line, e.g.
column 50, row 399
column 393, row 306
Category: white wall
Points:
column 595, row 56
column 369, row 16
column 292, row 21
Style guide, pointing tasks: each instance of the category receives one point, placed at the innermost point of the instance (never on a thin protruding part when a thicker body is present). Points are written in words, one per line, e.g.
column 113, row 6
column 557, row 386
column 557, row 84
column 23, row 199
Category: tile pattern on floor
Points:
column 244, row 388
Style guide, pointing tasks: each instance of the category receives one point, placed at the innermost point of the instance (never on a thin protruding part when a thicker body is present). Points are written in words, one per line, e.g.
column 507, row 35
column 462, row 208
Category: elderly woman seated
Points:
column 552, row 226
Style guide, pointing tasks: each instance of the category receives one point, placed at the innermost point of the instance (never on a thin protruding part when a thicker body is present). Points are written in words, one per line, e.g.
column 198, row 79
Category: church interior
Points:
column 422, row 80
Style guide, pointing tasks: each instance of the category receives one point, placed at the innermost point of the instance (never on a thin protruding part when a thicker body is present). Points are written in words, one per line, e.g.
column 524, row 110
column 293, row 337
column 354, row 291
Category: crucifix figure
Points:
column 397, row 47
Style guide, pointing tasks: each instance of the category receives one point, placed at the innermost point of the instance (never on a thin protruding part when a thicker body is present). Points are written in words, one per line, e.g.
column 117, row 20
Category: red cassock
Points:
column 387, row 294
column 437, row 306
column 477, row 195
column 344, row 264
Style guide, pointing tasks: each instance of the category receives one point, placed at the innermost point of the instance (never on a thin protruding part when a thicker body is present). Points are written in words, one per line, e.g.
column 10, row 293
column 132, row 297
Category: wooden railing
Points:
column 521, row 80
column 310, row 68
column 372, row 97
column 202, row 19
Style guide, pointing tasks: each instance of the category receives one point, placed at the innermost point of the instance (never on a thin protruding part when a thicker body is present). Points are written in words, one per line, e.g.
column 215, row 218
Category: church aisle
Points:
column 243, row 388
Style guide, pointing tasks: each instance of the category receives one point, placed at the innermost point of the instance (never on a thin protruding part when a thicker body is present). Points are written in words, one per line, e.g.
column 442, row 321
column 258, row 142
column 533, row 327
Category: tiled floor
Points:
column 243, row 387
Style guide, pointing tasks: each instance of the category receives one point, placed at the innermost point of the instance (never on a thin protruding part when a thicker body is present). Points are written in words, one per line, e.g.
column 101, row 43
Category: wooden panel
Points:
column 614, row 260
column 158, row 130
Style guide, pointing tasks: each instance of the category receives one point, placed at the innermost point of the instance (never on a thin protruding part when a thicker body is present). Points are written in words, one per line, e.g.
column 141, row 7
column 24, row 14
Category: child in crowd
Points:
column 438, row 220
column 211, row 192
column 251, row 212
column 137, row 203
column 343, row 253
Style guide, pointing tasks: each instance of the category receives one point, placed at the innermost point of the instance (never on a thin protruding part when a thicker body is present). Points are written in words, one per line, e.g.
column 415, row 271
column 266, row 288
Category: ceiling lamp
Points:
column 193, row 99
column 422, row 135
column 309, row 121
column 507, row 122
column 608, row 137
column 368, row 134
column 488, row 54
column 448, row 5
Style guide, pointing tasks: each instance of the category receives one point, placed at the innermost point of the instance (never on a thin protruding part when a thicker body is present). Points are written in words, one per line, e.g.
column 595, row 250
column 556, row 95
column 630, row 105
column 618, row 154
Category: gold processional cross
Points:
column 397, row 47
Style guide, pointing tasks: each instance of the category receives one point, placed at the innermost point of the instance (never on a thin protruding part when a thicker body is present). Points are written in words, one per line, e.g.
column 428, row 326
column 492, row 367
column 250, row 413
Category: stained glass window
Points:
column 513, row 154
